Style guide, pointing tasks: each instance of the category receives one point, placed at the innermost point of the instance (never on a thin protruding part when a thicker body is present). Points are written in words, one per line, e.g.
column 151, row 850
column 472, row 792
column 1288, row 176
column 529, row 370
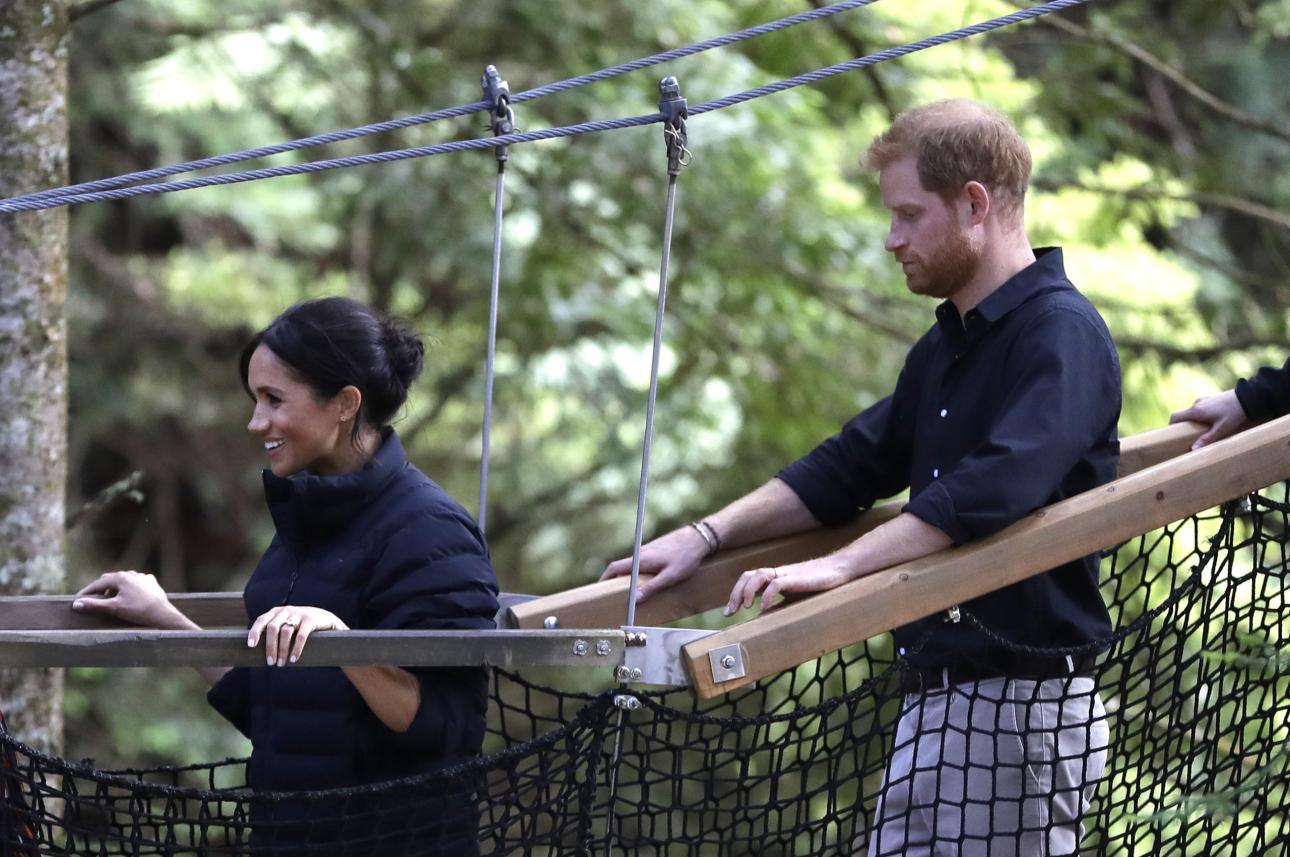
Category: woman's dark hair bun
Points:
column 333, row 343
column 405, row 351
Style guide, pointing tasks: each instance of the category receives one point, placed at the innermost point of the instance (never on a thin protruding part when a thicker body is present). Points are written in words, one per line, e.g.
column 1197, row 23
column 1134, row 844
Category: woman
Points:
column 364, row 540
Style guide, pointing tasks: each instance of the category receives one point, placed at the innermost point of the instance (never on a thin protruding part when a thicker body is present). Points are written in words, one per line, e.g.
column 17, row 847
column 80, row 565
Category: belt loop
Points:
column 945, row 678
column 1070, row 665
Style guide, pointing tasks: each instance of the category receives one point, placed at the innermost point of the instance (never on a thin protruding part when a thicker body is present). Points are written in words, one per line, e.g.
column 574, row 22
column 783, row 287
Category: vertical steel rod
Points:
column 653, row 396
column 494, row 296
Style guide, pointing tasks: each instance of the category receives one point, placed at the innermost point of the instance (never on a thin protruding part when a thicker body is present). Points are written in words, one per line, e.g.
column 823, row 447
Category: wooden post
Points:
column 599, row 603
column 1089, row 522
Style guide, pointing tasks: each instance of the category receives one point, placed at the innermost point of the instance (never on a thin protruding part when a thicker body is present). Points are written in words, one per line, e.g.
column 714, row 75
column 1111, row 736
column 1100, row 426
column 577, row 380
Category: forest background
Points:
column 1160, row 142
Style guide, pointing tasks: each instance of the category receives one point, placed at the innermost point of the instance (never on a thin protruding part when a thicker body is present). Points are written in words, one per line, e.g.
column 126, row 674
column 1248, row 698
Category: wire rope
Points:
column 449, row 112
column 28, row 203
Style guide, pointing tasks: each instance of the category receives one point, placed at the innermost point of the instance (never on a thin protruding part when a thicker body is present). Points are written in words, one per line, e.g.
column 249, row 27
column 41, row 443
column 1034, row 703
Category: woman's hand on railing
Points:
column 286, row 629
column 133, row 597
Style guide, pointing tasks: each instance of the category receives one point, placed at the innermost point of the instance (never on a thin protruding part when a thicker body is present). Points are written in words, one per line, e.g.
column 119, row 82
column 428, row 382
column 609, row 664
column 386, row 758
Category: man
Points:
column 1008, row 403
column 1263, row 396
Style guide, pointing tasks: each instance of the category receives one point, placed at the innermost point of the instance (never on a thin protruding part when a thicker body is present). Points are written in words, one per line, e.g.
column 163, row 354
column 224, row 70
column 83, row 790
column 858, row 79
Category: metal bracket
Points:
column 658, row 661
column 727, row 663
column 953, row 614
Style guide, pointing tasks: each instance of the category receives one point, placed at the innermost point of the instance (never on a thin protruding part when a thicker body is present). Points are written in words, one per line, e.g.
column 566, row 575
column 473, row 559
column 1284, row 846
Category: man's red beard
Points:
column 943, row 274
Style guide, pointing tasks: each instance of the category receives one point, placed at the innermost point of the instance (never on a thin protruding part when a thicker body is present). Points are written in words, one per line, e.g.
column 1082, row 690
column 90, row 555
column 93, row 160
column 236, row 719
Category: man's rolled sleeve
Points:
column 1061, row 398
column 934, row 505
column 866, row 460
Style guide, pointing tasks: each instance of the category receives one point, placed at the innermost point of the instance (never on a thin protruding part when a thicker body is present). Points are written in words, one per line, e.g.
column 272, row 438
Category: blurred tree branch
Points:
column 122, row 489
column 89, row 7
column 1193, row 90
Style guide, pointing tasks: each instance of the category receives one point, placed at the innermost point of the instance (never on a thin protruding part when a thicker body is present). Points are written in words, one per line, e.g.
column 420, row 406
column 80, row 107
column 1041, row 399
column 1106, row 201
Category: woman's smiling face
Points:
column 300, row 431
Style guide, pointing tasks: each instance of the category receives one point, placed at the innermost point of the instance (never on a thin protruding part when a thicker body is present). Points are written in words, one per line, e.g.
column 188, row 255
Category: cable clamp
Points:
column 674, row 110
column 497, row 93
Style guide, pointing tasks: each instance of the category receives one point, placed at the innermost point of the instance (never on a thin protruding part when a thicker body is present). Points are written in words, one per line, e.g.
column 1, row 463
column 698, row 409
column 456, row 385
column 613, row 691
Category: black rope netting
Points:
column 1194, row 682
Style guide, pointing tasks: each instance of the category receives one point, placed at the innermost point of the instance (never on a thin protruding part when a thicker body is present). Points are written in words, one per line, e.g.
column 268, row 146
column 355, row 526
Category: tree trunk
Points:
column 33, row 340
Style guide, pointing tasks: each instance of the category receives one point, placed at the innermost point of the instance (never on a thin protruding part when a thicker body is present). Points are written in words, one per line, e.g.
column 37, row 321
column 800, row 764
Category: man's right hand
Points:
column 669, row 559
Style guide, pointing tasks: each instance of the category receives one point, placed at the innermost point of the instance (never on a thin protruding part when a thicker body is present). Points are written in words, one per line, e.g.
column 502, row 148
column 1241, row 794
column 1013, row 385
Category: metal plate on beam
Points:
column 658, row 659
column 727, row 663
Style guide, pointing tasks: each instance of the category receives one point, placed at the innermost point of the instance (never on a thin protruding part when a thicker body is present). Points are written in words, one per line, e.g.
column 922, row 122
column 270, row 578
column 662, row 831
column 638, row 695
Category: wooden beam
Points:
column 54, row 612
column 601, row 602
column 1092, row 521
column 1150, row 448
column 603, row 648
column 208, row 609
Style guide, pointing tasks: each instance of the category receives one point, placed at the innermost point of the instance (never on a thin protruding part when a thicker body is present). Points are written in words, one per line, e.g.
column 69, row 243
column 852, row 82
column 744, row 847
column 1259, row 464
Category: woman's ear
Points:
column 348, row 401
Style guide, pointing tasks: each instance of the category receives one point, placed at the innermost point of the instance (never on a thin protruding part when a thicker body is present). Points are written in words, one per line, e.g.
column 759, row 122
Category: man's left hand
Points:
column 814, row 575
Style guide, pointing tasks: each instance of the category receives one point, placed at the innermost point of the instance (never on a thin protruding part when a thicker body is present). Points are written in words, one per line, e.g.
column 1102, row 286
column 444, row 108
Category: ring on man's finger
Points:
column 289, row 623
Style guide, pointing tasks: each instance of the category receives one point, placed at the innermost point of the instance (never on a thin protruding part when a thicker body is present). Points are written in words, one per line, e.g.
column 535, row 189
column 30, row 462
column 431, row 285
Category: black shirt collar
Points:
column 962, row 331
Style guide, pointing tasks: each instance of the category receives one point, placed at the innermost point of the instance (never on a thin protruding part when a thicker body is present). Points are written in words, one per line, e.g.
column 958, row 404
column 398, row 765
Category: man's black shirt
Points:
column 995, row 414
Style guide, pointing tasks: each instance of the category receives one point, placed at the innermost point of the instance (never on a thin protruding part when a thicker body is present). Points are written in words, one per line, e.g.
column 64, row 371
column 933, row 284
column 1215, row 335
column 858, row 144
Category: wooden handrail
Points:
column 603, row 603
column 55, row 613
column 1092, row 521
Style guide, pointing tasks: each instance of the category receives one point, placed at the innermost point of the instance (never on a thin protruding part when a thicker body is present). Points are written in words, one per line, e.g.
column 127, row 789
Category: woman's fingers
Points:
column 302, row 636
column 286, row 629
column 257, row 628
column 279, row 644
column 104, row 585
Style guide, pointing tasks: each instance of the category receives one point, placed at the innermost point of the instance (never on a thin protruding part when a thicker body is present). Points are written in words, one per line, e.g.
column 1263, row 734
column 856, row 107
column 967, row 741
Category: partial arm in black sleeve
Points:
column 436, row 575
column 1266, row 394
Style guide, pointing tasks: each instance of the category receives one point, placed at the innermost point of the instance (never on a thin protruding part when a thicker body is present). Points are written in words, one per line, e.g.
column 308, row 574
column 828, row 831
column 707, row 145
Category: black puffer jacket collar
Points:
column 306, row 506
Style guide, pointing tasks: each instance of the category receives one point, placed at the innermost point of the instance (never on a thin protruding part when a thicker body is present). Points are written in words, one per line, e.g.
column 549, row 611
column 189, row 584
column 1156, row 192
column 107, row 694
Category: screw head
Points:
column 579, row 647
column 602, row 647
column 550, row 623
column 728, row 661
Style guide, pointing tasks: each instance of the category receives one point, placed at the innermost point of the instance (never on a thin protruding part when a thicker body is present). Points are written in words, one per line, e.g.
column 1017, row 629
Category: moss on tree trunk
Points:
column 33, row 341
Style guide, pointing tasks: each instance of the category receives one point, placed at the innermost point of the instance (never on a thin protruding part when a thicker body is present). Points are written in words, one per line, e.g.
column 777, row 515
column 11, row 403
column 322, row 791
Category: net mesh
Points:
column 1189, row 718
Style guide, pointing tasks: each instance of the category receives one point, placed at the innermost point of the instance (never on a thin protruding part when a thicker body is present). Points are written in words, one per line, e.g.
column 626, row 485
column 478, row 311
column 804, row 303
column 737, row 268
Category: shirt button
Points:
column 902, row 651
column 936, row 473
column 944, row 412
